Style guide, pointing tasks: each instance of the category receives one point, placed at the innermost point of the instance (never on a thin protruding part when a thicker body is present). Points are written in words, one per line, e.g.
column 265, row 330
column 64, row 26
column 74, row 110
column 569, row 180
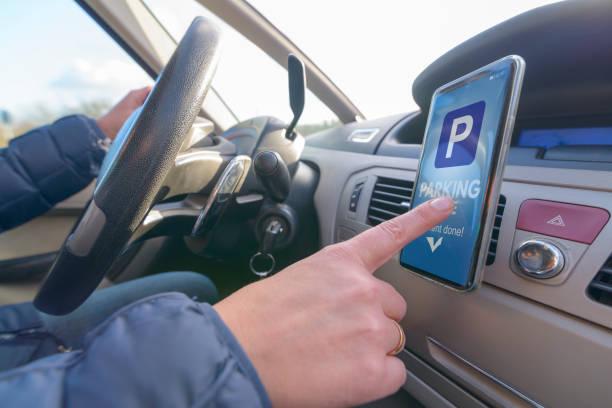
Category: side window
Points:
column 249, row 81
column 55, row 61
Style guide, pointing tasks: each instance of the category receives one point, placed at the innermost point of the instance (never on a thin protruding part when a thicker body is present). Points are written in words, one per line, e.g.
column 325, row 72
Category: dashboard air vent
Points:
column 390, row 198
column 600, row 288
column 496, row 226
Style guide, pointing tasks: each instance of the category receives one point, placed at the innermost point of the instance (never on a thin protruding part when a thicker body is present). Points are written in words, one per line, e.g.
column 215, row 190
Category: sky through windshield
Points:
column 373, row 50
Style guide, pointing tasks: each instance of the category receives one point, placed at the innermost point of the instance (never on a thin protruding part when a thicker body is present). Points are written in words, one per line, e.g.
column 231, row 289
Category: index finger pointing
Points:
column 377, row 245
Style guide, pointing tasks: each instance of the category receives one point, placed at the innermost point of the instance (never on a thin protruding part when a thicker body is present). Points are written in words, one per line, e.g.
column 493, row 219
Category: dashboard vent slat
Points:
column 604, row 287
column 407, row 188
column 375, row 219
column 384, row 213
column 390, row 198
column 391, row 203
column 501, row 206
column 600, row 288
column 607, row 268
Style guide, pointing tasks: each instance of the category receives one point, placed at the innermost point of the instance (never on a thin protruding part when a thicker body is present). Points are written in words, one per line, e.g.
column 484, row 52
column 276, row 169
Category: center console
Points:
column 541, row 320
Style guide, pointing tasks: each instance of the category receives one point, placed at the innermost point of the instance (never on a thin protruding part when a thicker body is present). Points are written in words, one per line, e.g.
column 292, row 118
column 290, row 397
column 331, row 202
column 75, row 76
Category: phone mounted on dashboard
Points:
column 468, row 131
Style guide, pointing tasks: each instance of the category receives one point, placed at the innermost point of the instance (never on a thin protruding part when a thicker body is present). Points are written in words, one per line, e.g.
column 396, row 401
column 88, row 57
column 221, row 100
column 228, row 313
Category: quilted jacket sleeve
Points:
column 47, row 165
column 163, row 351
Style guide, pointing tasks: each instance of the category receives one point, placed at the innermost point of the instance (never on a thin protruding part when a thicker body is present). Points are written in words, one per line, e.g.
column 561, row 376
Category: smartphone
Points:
column 468, row 131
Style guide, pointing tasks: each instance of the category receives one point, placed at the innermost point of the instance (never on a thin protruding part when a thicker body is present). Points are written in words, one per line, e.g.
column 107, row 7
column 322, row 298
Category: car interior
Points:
column 237, row 202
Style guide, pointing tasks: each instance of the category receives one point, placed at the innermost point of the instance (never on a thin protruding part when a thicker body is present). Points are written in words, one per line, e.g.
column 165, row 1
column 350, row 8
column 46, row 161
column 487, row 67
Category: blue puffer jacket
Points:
column 46, row 166
column 163, row 351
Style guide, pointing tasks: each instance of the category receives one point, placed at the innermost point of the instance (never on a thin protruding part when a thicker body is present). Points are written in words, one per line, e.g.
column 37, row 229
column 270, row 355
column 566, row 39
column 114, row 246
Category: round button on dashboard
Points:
column 539, row 259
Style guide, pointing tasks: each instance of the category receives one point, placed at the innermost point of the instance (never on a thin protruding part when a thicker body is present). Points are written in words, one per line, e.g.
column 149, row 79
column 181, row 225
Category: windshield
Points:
column 250, row 82
column 373, row 50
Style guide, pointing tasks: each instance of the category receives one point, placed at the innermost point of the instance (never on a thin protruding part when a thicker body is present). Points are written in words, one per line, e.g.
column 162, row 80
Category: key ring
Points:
column 262, row 258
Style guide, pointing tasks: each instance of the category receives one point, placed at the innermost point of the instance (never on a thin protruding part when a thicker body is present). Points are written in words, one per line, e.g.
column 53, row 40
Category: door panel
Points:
column 46, row 233
column 28, row 250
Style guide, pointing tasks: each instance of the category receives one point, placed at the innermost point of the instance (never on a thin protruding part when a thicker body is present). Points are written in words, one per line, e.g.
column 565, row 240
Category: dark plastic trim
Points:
column 28, row 268
column 562, row 43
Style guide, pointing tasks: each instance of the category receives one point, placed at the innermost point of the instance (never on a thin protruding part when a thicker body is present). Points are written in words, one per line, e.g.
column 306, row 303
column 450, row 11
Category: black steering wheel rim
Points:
column 135, row 174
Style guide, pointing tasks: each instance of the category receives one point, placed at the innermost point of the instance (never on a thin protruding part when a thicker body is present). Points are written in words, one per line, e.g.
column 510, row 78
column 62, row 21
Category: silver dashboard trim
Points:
column 363, row 135
column 249, row 198
column 488, row 375
column 230, row 181
column 556, row 254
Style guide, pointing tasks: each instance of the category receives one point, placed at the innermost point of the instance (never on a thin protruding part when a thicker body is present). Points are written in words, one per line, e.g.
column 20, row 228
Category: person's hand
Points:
column 319, row 333
column 111, row 122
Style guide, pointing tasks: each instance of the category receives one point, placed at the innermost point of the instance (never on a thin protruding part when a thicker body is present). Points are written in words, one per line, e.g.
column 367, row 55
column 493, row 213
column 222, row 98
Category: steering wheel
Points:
column 133, row 172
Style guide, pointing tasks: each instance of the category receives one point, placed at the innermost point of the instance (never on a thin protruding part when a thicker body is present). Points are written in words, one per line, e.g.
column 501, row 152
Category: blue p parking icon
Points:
column 459, row 137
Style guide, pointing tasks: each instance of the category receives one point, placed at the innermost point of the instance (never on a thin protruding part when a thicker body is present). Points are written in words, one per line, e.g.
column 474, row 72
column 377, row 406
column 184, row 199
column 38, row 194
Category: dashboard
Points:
column 522, row 339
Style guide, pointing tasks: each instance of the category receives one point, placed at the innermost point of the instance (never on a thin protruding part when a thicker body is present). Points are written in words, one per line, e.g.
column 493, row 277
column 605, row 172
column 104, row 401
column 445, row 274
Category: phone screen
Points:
column 460, row 149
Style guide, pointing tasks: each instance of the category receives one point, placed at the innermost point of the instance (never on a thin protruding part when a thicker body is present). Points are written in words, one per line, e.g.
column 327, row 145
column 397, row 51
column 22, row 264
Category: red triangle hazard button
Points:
column 557, row 221
column 573, row 222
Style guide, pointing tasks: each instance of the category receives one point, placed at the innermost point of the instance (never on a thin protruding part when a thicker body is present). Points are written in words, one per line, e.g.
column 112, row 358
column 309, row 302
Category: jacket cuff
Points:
column 85, row 128
column 93, row 127
column 236, row 350
column 94, row 132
